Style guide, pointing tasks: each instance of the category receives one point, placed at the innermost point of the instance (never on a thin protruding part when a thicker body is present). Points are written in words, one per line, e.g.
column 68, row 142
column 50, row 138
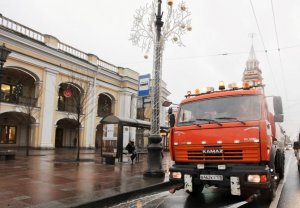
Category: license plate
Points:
column 211, row 177
column 235, row 186
column 188, row 185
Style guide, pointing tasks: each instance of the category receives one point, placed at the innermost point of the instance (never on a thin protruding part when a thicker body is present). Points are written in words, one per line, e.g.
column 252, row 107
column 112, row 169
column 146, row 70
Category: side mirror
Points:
column 170, row 110
column 172, row 120
column 278, row 118
column 277, row 104
column 296, row 145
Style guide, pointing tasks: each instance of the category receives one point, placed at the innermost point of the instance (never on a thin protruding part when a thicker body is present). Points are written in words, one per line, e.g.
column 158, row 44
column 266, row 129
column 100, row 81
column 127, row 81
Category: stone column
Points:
column 48, row 109
column 90, row 119
column 38, row 92
column 125, row 100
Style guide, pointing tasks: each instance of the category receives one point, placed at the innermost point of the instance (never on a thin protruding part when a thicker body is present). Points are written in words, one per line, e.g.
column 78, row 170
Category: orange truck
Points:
column 227, row 138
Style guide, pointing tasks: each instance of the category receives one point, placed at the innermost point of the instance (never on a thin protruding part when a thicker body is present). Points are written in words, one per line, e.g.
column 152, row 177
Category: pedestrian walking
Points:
column 131, row 150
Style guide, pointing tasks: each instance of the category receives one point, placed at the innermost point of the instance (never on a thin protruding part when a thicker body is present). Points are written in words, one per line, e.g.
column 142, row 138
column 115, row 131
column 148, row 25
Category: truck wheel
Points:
column 197, row 189
column 280, row 160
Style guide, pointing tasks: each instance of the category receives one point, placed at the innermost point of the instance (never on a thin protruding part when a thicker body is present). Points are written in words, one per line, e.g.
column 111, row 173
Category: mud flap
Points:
column 235, row 186
column 188, row 185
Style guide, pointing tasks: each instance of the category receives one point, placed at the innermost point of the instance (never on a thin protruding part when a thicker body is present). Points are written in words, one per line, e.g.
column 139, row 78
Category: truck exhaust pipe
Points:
column 174, row 189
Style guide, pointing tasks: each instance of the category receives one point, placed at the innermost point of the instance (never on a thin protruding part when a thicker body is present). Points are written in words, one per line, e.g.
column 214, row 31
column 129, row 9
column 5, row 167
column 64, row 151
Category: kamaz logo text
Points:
column 212, row 151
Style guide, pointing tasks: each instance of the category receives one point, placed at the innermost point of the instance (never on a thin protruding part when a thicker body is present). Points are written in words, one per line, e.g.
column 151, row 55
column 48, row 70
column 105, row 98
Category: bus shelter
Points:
column 113, row 131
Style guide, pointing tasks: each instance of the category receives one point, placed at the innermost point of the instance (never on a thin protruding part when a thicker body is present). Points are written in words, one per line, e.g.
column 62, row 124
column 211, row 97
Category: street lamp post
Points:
column 4, row 52
column 154, row 147
column 144, row 35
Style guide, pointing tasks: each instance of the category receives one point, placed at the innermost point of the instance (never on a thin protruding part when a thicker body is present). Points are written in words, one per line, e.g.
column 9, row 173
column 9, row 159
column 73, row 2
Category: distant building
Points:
column 252, row 71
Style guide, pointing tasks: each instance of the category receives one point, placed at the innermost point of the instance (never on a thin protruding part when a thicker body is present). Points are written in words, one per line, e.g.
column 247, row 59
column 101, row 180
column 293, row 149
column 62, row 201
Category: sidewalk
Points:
column 52, row 178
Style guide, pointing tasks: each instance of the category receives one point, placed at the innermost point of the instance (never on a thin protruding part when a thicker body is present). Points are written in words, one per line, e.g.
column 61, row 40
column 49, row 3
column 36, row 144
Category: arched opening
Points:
column 105, row 105
column 13, row 128
column 18, row 87
column 69, row 97
column 66, row 133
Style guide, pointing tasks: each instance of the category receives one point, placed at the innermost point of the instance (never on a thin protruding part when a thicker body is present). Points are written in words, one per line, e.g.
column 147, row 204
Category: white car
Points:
column 288, row 146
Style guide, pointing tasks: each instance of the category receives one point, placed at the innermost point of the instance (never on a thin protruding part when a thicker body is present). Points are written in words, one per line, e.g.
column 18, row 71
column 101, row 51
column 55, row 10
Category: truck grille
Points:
column 240, row 152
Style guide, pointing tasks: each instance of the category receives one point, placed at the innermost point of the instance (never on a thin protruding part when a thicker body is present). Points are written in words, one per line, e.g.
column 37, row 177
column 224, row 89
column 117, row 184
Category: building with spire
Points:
column 252, row 71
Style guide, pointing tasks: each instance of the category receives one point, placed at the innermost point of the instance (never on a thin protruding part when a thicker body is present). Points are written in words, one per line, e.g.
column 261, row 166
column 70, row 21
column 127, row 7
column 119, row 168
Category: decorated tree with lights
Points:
column 149, row 30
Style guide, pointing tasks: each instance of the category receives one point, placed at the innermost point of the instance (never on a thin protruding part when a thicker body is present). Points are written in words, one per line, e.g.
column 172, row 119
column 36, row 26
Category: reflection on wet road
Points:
column 211, row 197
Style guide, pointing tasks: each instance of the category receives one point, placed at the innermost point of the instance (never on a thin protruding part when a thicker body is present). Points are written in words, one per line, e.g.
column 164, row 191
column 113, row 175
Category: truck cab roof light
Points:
column 246, row 85
column 221, row 85
column 236, row 141
column 188, row 142
column 210, row 89
column 203, row 142
column 219, row 142
column 175, row 143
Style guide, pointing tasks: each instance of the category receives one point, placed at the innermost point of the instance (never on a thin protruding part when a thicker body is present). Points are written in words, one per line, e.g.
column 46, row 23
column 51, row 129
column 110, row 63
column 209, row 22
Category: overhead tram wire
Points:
column 279, row 54
column 266, row 52
column 219, row 54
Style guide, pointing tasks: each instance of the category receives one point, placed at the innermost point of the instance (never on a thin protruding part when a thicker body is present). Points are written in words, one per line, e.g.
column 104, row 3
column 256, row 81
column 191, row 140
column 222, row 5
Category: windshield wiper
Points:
column 231, row 118
column 209, row 121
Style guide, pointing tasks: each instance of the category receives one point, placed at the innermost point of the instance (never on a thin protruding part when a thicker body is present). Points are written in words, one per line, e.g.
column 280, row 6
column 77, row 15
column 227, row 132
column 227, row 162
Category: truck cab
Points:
column 227, row 139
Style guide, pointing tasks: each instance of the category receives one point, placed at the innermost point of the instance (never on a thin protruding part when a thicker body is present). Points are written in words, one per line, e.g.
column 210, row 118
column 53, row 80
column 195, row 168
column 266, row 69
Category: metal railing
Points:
column 28, row 32
column 73, row 51
column 107, row 65
column 12, row 25
column 19, row 100
column 66, row 107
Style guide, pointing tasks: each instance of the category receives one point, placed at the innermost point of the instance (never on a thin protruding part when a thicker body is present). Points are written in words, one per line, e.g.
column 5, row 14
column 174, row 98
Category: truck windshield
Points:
column 221, row 110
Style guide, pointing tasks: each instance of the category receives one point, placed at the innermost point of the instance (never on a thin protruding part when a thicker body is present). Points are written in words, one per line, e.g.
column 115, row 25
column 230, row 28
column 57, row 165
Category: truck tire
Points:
column 197, row 189
column 279, row 164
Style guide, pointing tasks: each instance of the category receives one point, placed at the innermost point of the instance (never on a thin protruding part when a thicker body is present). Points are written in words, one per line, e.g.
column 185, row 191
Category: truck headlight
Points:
column 176, row 175
column 254, row 178
column 257, row 178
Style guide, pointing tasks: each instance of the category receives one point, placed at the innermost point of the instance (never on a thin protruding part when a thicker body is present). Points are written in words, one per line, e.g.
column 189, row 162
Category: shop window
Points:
column 8, row 93
column 8, row 134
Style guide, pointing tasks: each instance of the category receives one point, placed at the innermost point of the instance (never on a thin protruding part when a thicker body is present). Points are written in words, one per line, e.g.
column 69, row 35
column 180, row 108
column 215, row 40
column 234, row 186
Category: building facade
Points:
column 41, row 80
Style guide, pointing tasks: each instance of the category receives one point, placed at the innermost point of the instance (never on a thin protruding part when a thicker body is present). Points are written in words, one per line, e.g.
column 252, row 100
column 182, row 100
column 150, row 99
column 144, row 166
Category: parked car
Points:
column 288, row 147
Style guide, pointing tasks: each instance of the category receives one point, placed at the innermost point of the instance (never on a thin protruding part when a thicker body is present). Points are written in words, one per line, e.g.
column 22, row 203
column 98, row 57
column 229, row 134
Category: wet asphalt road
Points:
column 210, row 198
column 290, row 196
column 213, row 197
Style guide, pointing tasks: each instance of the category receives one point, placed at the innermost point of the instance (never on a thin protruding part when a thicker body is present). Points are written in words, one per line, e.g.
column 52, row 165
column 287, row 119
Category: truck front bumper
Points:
column 225, row 178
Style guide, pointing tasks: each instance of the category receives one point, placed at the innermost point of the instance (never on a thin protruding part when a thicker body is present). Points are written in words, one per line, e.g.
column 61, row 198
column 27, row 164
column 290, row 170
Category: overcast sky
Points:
column 103, row 27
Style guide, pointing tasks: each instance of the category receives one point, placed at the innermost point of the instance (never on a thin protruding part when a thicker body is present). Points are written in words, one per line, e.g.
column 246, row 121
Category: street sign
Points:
column 144, row 85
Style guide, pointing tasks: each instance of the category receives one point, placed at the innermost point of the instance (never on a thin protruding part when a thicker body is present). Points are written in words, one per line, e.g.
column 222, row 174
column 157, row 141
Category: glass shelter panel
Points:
column 110, row 138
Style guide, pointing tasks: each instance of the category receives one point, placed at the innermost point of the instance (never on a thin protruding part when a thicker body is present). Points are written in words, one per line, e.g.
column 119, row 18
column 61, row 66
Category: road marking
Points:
column 280, row 187
column 236, row 205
